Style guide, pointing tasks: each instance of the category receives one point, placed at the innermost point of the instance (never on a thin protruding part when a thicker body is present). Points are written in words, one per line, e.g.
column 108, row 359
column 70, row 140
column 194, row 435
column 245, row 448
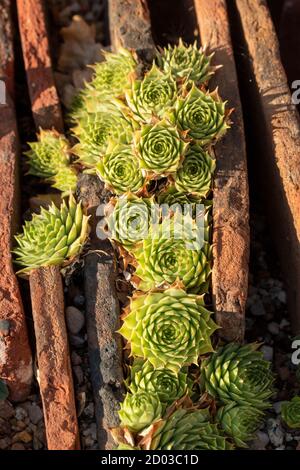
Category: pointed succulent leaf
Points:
column 130, row 220
column 240, row 374
column 196, row 172
column 175, row 249
column 186, row 62
column 139, row 410
column 185, row 430
column 48, row 154
column 173, row 197
column 97, row 130
column 290, row 413
column 160, row 148
column 152, row 96
column 170, row 329
column 240, row 422
column 120, row 170
column 167, row 384
column 50, row 238
column 65, row 179
column 201, row 114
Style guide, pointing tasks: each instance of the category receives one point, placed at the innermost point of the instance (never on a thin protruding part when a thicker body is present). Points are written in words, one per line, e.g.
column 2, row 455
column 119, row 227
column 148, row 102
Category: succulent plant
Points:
column 240, row 374
column 167, row 384
column 196, row 172
column 3, row 390
column 65, row 179
column 153, row 95
column 201, row 114
column 290, row 413
column 172, row 197
column 120, row 170
column 170, row 329
column 112, row 77
column 186, row 63
column 130, row 219
column 107, row 124
column 53, row 236
column 48, row 154
column 160, row 148
column 139, row 410
column 240, row 422
column 185, row 430
column 174, row 251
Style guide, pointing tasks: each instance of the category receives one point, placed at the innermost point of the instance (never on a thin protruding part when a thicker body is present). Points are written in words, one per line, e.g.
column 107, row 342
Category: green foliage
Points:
column 238, row 374
column 139, row 410
column 53, row 236
column 185, row 430
column 170, row 329
column 290, row 413
column 240, row 422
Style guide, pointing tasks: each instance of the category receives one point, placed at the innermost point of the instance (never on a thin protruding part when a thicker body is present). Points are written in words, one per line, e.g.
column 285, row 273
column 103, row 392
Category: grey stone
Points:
column 35, row 413
column 75, row 320
column 275, row 432
column 267, row 352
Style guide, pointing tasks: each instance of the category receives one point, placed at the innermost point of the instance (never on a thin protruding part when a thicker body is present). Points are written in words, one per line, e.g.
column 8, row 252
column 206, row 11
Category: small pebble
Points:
column 5, row 443
column 17, row 446
column 277, row 407
column 4, row 327
column 76, row 341
column 75, row 320
column 280, row 448
column 267, row 352
column 23, row 436
column 258, row 309
column 261, row 441
column 89, row 410
column 284, row 322
column 20, row 413
column 35, row 413
column 275, row 432
column 6, row 410
column 273, row 328
column 75, row 359
column 79, row 300
column 78, row 373
column 289, row 437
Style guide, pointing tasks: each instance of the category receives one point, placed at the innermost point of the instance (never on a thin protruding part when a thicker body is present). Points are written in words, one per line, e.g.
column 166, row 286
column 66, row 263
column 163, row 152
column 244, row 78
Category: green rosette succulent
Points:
column 120, row 170
column 112, row 76
column 130, row 219
column 107, row 124
column 174, row 251
column 139, row 410
column 48, row 155
column 173, row 197
column 65, row 179
column 240, row 374
column 167, row 384
column 160, row 148
column 202, row 115
column 240, row 422
column 152, row 96
column 188, row 63
column 185, row 430
column 196, row 172
column 290, row 413
column 53, row 236
column 170, row 329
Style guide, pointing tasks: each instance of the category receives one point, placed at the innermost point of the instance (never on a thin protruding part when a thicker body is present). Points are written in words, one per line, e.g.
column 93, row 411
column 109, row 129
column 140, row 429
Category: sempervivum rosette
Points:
column 129, row 218
column 170, row 329
column 53, row 236
column 139, row 410
column 65, row 179
column 106, row 125
column 185, row 430
column 186, row 62
column 240, row 374
column 120, row 170
column 290, row 413
column 160, row 148
column 202, row 115
column 196, row 172
column 153, row 95
column 172, row 251
column 167, row 384
column 48, row 154
column 240, row 422
column 112, row 76
column 173, row 197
